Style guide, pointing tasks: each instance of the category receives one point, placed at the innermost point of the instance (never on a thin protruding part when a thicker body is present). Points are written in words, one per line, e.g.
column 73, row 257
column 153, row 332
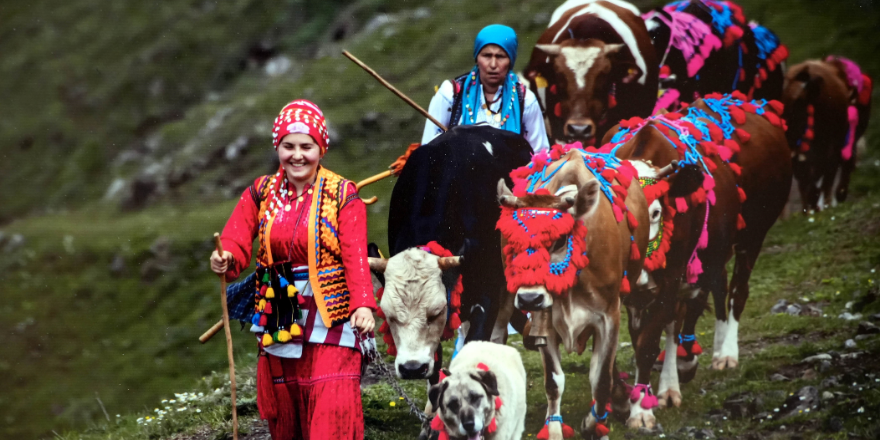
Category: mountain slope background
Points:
column 129, row 129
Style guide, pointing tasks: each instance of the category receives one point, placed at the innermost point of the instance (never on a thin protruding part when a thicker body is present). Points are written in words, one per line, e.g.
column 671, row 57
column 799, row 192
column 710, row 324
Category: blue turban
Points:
column 499, row 34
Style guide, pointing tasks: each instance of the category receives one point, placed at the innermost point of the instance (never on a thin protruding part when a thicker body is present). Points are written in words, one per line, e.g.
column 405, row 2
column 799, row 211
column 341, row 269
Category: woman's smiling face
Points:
column 299, row 156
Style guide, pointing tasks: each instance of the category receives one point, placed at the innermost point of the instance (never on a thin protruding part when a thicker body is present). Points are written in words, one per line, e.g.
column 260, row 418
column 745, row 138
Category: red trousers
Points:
column 317, row 396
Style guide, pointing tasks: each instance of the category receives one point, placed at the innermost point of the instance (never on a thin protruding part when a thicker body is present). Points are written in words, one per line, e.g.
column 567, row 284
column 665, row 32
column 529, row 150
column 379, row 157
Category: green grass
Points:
column 77, row 92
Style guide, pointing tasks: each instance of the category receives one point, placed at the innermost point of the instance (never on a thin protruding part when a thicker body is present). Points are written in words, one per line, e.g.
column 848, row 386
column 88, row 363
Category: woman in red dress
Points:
column 314, row 293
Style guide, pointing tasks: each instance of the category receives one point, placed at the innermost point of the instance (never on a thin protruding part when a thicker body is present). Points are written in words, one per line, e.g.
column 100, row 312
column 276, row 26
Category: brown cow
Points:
column 827, row 105
column 592, row 67
column 546, row 243
column 696, row 249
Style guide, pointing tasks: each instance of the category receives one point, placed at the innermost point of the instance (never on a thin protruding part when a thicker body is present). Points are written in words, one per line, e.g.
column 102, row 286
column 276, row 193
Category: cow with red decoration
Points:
column 444, row 273
column 572, row 231
column 593, row 66
column 706, row 46
column 827, row 106
column 742, row 184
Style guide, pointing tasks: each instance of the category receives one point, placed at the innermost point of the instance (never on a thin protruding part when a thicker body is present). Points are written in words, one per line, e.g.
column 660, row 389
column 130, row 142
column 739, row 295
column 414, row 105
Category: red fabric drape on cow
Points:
column 324, row 388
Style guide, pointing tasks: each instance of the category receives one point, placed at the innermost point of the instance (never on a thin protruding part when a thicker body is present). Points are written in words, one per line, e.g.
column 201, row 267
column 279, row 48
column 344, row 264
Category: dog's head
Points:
column 465, row 402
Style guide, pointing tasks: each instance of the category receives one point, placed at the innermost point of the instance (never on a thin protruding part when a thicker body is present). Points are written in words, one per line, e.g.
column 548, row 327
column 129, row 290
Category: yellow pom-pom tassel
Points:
column 270, row 293
column 283, row 336
column 296, row 330
column 262, row 305
column 291, row 291
column 267, row 340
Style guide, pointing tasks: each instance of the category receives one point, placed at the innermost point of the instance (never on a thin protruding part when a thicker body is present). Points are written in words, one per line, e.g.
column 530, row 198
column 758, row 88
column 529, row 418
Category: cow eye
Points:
column 434, row 316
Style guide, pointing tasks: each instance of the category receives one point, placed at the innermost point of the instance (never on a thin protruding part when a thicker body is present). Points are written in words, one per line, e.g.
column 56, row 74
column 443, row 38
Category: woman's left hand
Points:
column 363, row 320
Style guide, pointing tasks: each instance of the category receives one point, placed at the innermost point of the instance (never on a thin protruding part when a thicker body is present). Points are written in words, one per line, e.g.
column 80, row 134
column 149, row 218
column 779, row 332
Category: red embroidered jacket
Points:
column 289, row 240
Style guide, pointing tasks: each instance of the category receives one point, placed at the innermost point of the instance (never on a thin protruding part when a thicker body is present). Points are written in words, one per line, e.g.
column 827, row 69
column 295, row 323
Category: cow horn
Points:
column 551, row 49
column 378, row 264
column 505, row 197
column 609, row 48
column 567, row 203
column 667, row 170
column 446, row 263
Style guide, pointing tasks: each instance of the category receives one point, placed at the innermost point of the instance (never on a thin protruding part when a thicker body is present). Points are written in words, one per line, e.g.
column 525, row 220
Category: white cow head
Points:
column 414, row 304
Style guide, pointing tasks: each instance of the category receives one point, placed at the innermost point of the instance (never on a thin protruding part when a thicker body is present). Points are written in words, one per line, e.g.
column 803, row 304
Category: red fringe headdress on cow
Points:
column 530, row 231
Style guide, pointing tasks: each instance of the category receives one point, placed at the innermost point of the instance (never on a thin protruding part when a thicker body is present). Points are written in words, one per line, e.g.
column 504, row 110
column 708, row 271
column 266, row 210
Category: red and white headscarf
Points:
column 304, row 117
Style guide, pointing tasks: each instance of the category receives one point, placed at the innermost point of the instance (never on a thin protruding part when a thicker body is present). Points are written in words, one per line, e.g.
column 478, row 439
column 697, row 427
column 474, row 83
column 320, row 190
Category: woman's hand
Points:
column 362, row 319
column 220, row 264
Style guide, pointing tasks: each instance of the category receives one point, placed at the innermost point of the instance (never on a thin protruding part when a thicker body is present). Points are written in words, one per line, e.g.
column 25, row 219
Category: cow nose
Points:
column 582, row 130
column 413, row 370
column 531, row 301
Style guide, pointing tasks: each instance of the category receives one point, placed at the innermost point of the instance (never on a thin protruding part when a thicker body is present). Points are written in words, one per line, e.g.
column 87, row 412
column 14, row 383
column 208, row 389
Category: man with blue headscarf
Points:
column 490, row 93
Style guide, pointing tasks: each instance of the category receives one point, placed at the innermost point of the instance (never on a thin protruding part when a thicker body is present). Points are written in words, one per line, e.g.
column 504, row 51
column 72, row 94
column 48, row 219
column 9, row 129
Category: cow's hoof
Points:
column 669, row 398
column 725, row 362
column 644, row 420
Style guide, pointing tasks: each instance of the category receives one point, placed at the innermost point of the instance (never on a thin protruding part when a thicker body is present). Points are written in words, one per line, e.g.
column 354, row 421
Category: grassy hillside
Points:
column 129, row 129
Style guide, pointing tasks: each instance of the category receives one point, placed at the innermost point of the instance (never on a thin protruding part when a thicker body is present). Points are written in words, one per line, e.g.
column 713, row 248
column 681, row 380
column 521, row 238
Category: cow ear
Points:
column 435, row 394
column 378, row 264
column 505, row 197
column 488, row 380
column 587, row 199
column 550, row 49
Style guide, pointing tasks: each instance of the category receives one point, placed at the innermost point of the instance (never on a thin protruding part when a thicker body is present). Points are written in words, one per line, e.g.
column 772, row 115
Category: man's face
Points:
column 494, row 64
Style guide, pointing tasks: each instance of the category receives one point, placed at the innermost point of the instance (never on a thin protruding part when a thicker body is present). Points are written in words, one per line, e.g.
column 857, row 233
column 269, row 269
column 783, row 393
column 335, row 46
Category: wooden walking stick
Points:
column 394, row 90
column 219, row 247
column 398, row 165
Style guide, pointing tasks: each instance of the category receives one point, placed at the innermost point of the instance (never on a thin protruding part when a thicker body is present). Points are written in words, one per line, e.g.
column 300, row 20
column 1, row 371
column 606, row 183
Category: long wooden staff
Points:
column 219, row 247
column 405, row 99
column 394, row 90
